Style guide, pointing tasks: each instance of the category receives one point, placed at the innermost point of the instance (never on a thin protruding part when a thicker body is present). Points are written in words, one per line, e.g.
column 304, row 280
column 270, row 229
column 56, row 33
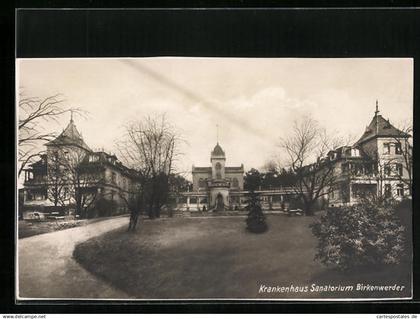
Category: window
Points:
column 387, row 148
column 67, row 155
column 398, row 148
column 400, row 190
column 218, row 170
column 388, row 190
column 201, row 183
column 387, row 170
column 235, row 182
column 113, row 177
column 399, row 169
column 368, row 169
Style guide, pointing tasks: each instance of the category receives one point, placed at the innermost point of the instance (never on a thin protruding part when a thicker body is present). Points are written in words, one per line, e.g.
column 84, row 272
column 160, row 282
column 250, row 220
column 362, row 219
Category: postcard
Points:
column 170, row 178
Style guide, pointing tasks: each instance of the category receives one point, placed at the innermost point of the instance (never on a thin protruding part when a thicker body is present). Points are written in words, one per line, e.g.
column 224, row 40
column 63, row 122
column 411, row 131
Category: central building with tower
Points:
column 218, row 186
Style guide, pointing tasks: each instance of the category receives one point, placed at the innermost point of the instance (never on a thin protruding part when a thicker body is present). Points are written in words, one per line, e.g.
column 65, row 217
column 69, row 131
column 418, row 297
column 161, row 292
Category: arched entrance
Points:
column 219, row 202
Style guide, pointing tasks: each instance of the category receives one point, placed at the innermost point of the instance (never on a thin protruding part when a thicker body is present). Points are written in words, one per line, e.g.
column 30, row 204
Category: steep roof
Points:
column 70, row 136
column 102, row 158
column 379, row 127
column 217, row 151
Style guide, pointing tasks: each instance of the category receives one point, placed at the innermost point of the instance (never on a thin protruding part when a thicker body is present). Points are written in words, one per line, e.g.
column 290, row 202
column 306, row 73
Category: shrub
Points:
column 66, row 225
column 404, row 213
column 365, row 234
column 256, row 220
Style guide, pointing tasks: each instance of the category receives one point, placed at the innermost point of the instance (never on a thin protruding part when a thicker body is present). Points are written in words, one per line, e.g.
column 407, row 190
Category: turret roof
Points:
column 217, row 151
column 70, row 136
column 380, row 127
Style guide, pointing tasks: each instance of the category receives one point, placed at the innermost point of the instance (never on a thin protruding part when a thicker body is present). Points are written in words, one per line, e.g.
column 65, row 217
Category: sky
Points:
column 254, row 102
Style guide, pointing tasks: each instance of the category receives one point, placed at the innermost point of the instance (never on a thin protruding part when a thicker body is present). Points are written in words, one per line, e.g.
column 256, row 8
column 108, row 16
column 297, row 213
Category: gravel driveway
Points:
column 48, row 270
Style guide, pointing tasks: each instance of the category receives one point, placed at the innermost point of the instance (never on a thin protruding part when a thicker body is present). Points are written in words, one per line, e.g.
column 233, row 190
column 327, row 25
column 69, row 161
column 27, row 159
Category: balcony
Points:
column 219, row 183
column 33, row 181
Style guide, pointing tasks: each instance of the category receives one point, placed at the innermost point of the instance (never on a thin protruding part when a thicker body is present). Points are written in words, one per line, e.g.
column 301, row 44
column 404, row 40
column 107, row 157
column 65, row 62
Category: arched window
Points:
column 235, row 182
column 201, row 183
column 218, row 170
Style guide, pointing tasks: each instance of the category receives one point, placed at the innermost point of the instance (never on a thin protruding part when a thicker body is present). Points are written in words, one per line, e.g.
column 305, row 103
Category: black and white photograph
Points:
column 193, row 178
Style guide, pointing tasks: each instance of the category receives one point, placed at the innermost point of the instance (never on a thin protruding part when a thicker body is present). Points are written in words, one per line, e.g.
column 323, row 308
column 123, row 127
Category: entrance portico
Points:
column 219, row 197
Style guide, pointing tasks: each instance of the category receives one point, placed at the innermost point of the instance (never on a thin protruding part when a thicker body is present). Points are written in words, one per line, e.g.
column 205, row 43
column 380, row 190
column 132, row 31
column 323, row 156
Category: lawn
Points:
column 217, row 258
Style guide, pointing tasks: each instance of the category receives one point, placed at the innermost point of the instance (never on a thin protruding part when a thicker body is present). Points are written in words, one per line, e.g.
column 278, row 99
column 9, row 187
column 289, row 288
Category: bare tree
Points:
column 306, row 148
column 57, row 182
column 403, row 143
column 151, row 147
column 133, row 197
column 85, row 180
column 73, row 179
column 271, row 166
column 34, row 115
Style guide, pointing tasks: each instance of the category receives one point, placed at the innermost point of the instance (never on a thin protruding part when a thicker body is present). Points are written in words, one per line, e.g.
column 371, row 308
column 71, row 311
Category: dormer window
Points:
column 355, row 152
column 93, row 158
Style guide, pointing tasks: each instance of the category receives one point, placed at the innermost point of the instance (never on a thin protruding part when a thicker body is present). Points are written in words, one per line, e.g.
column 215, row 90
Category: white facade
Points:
column 378, row 163
column 214, row 185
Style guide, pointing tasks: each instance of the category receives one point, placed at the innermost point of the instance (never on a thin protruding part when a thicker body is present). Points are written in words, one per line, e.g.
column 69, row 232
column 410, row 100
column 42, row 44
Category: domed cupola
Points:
column 218, row 152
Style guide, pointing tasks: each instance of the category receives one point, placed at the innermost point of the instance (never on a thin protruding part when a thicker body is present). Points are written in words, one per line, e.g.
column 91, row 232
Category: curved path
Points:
column 47, row 268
